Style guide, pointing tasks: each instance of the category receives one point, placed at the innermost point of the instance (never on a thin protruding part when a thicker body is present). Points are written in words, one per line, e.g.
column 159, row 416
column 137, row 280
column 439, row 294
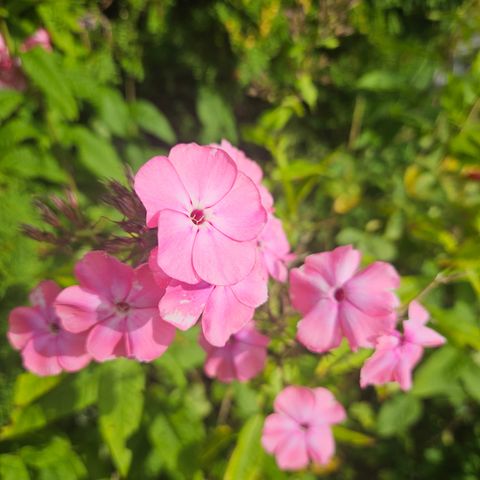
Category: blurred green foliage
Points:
column 365, row 117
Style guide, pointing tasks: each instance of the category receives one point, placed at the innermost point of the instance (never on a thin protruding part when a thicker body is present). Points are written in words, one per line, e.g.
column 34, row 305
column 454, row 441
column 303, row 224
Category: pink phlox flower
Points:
column 208, row 213
column 275, row 249
column 242, row 358
column 41, row 38
column 396, row 355
column 300, row 429
column 11, row 76
column 336, row 300
column 118, row 307
column 224, row 310
column 46, row 348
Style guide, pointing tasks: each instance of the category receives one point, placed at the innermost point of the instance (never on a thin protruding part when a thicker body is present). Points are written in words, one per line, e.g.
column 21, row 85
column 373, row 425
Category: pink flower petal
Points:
column 378, row 276
column 149, row 340
column 249, row 360
column 306, row 290
column 320, row 444
column 219, row 260
column 159, row 187
column 161, row 278
column 371, row 302
column 24, row 322
column 239, row 214
column 103, row 274
column 40, row 356
column 296, row 402
column 321, row 266
column 248, row 334
column 220, row 365
column 103, row 339
column 44, row 295
column 77, row 309
column 277, row 428
column 418, row 313
column 253, row 289
column 327, row 409
column 145, row 292
column 72, row 354
column 207, row 173
column 345, row 261
column 183, row 304
column 320, row 329
column 291, row 452
column 244, row 164
column 421, row 335
column 361, row 329
column 176, row 239
column 224, row 315
column 379, row 368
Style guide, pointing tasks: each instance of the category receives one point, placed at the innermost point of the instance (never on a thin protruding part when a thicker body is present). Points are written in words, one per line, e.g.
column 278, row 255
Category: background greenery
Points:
column 365, row 117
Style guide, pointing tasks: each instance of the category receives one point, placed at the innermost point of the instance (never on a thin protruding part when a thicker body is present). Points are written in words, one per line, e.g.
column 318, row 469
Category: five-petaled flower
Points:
column 338, row 301
column 46, row 348
column 300, row 429
column 396, row 355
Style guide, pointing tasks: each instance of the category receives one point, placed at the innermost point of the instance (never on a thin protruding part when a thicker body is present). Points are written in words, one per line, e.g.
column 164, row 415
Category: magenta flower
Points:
column 242, row 358
column 338, row 301
column 208, row 214
column 224, row 310
column 118, row 307
column 41, row 38
column 46, row 348
column 275, row 249
column 11, row 76
column 397, row 355
column 300, row 429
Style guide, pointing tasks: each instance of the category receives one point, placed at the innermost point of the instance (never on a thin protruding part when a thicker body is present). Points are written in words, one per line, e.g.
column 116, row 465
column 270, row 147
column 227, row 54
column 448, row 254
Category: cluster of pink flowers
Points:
column 11, row 75
column 218, row 242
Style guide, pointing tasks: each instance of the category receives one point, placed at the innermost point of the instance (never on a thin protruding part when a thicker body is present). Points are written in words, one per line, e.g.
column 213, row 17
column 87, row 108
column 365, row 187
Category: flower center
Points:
column 54, row 328
column 304, row 426
column 123, row 307
column 339, row 294
column 197, row 216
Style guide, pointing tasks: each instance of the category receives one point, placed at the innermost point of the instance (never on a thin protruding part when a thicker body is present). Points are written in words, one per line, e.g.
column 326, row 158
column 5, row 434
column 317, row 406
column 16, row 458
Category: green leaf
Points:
column 150, row 119
column 216, row 117
column 29, row 387
column 44, row 69
column 98, row 155
column 398, row 414
column 247, row 457
column 9, row 102
column 345, row 435
column 13, row 468
column 378, row 80
column 120, row 404
column 470, row 377
column 114, row 112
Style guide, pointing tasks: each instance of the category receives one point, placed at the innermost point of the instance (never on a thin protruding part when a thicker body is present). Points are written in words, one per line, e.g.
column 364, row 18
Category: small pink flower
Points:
column 118, row 307
column 224, row 310
column 208, row 214
column 338, row 301
column 47, row 349
column 242, row 358
column 300, row 429
column 11, row 76
column 397, row 355
column 275, row 249
column 40, row 38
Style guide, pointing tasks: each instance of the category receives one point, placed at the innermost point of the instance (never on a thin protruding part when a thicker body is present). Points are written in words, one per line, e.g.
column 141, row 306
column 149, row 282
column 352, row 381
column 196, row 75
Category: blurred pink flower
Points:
column 338, row 301
column 300, row 429
column 224, row 309
column 118, row 306
column 242, row 358
column 46, row 347
column 397, row 355
column 11, row 76
column 275, row 249
column 208, row 214
column 40, row 38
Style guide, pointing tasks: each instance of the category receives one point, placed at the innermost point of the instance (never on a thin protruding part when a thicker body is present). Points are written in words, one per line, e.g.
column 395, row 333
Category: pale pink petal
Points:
column 72, row 353
column 421, row 335
column 360, row 329
column 145, row 291
column 291, row 452
column 176, row 239
column 244, row 164
column 321, row 266
column 239, row 214
column 207, row 173
column 103, row 274
column 327, row 409
column 418, row 313
column 220, row 365
column 103, row 339
column 248, row 334
column 77, row 309
column 266, row 197
column 219, row 260
column 24, row 322
column 320, row 444
column 44, row 295
column 372, row 302
column 410, row 355
column 223, row 316
column 306, row 290
column 320, row 330
column 380, row 368
column 40, row 356
column 275, row 266
column 376, row 277
column 148, row 340
column 296, row 402
column 253, row 289
column 345, row 261
column 159, row 275
column 40, row 38
column 249, row 360
column 183, row 304
column 276, row 429
column 159, row 187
